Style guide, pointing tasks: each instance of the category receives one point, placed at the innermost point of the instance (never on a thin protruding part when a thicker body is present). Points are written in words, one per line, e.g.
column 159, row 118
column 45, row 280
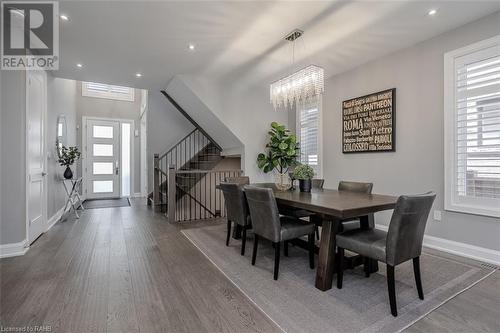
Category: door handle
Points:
column 44, row 174
column 117, row 169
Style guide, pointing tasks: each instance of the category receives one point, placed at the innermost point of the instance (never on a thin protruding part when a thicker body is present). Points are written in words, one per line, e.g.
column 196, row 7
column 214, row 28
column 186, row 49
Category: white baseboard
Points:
column 137, row 195
column 457, row 248
column 13, row 249
column 55, row 218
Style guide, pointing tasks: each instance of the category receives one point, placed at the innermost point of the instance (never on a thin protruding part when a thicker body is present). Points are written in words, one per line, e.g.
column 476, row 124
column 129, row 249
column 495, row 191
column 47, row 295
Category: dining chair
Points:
column 358, row 187
column 316, row 183
column 240, row 180
column 268, row 224
column 237, row 211
column 402, row 242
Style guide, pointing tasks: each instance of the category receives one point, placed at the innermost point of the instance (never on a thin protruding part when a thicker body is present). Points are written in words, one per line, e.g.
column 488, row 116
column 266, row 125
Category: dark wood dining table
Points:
column 332, row 207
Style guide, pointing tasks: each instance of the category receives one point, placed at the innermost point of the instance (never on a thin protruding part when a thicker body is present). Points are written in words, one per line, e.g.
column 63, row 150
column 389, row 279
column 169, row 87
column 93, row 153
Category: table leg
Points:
column 326, row 257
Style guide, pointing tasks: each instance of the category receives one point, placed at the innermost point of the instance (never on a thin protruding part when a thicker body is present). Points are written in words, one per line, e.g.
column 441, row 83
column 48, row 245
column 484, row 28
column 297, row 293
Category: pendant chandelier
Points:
column 297, row 87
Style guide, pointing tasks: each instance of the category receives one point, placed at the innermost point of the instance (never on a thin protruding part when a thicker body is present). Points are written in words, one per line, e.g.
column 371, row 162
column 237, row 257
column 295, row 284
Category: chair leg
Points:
column 391, row 286
column 310, row 239
column 255, row 244
column 366, row 266
column 243, row 240
column 285, row 248
column 276, row 260
column 418, row 280
column 340, row 268
column 228, row 232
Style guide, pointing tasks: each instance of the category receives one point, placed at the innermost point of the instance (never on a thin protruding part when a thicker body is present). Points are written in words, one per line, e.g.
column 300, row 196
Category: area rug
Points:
column 106, row 203
column 362, row 305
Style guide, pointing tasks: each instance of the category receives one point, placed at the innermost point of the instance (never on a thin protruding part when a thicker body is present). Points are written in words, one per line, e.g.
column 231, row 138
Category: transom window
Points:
column 101, row 90
column 472, row 128
column 309, row 133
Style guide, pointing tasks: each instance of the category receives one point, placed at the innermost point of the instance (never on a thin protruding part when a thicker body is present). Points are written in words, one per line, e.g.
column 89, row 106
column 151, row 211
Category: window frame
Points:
column 129, row 97
column 470, row 205
column 319, row 174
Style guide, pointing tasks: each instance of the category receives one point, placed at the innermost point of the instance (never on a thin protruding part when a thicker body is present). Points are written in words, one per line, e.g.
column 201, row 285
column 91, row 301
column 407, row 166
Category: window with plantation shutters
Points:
column 472, row 129
column 309, row 133
column 101, row 90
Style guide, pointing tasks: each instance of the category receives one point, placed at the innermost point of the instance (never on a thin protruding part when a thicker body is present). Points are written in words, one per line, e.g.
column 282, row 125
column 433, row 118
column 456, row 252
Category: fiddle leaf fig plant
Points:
column 281, row 150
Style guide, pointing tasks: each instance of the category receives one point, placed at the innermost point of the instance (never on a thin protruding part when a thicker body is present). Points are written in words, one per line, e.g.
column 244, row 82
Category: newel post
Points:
column 172, row 189
column 156, row 179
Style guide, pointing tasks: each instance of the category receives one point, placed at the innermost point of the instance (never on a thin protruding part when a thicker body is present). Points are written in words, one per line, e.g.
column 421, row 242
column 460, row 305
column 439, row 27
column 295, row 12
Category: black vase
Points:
column 68, row 174
column 305, row 185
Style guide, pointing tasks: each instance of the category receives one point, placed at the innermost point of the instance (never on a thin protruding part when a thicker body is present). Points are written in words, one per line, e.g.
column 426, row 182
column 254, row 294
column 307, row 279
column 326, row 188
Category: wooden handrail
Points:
column 191, row 120
column 177, row 144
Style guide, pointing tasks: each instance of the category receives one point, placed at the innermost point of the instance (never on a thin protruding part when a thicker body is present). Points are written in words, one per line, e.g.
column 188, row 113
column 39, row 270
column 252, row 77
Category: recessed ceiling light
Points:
column 432, row 12
column 64, row 17
column 138, row 74
column 79, row 65
column 191, row 47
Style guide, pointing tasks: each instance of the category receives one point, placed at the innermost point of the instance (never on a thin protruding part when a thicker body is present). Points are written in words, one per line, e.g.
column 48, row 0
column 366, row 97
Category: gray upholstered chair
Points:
column 358, row 187
column 402, row 242
column 268, row 224
column 316, row 183
column 237, row 211
column 241, row 180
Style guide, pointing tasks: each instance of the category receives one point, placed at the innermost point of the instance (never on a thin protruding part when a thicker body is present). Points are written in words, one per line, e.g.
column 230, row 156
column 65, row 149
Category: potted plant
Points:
column 67, row 158
column 304, row 173
column 282, row 151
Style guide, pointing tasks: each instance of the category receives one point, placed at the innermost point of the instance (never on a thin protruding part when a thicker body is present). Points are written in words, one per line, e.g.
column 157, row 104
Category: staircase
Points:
column 193, row 152
column 196, row 151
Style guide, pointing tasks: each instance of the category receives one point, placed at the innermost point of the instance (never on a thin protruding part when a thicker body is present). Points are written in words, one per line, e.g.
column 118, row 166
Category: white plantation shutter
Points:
column 101, row 90
column 308, row 133
column 475, row 186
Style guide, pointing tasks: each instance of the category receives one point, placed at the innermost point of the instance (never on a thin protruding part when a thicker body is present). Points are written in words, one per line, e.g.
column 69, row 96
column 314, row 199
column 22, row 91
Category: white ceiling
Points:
column 116, row 39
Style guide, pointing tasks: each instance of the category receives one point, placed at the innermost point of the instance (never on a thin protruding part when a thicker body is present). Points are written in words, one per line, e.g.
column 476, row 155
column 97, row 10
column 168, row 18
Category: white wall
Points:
column 12, row 151
column 61, row 100
column 242, row 109
column 417, row 165
column 166, row 126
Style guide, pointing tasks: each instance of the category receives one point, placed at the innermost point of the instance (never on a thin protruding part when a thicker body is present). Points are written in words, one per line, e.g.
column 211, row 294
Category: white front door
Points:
column 36, row 106
column 103, row 159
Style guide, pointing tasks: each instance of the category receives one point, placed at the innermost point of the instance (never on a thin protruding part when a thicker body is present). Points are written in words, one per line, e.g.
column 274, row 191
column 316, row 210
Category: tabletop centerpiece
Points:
column 304, row 173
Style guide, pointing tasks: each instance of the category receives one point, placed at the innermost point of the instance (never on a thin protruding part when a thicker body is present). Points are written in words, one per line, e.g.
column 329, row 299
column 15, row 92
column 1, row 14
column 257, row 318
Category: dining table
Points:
column 331, row 207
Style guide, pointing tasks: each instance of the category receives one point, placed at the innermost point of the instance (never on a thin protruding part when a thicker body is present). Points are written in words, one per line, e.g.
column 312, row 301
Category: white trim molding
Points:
column 452, row 60
column 55, row 218
column 457, row 248
column 14, row 249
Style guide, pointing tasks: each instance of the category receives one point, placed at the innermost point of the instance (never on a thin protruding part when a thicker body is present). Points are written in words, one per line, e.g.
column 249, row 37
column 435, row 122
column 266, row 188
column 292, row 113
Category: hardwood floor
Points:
column 122, row 270
column 129, row 270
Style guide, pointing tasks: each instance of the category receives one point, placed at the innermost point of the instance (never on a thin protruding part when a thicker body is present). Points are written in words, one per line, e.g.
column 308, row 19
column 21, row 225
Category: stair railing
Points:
column 201, row 201
column 183, row 156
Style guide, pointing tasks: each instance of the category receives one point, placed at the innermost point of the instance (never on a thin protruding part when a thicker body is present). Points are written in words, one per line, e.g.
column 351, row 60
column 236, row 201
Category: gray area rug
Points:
column 362, row 305
column 106, row 203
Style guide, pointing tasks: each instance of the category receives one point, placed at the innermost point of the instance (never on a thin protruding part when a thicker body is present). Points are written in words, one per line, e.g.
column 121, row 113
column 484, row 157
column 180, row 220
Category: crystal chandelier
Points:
column 300, row 86
column 297, row 87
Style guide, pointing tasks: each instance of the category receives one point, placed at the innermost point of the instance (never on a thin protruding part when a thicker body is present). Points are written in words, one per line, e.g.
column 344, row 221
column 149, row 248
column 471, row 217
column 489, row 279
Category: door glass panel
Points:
column 103, row 186
column 102, row 168
column 125, row 159
column 103, row 150
column 102, row 132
